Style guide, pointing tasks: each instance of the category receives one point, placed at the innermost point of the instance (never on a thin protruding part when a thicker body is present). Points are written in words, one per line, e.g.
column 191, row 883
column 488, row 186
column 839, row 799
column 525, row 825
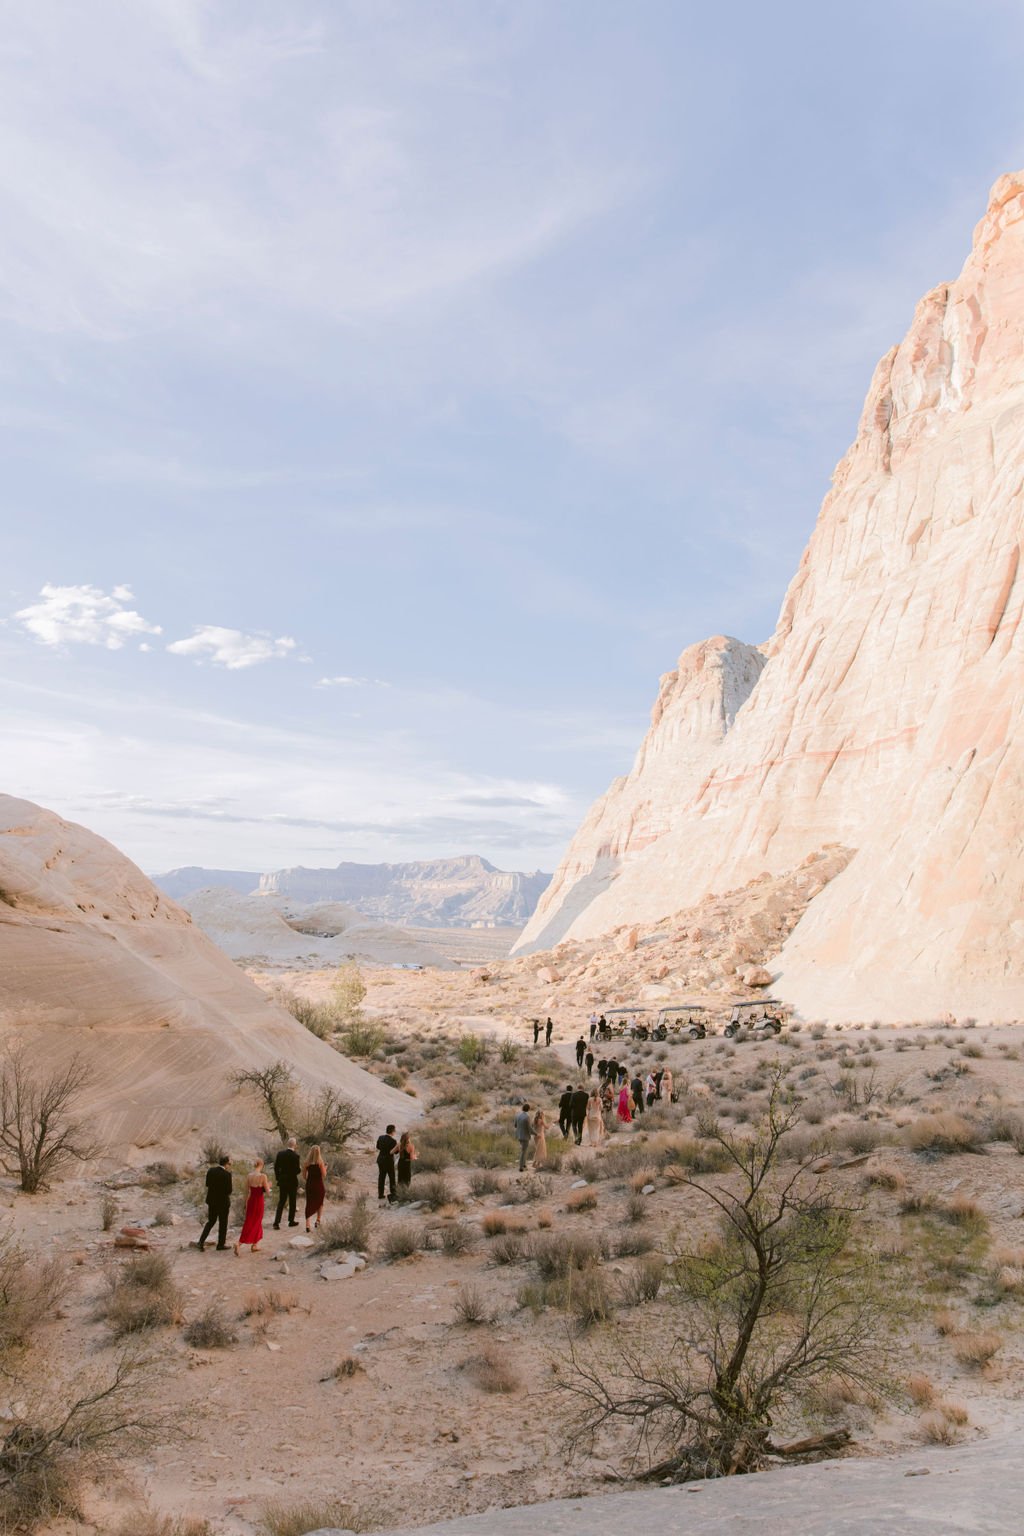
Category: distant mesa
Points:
column 465, row 892
column 95, row 960
column 885, row 713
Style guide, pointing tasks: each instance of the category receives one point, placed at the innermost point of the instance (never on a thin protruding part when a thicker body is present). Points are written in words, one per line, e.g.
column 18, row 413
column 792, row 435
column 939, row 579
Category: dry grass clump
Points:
column 458, row 1238
column 946, row 1322
column 280, row 1519
column 965, row 1212
column 581, row 1200
column 164, row 1525
column 563, row 1252
column 472, row 1306
column 636, row 1208
column 347, row 1367
column 434, row 1190
column 944, row 1133
column 212, row 1329
column 643, row 1282
column 630, row 1244
column 512, row 1248
column 484, row 1181
column 641, row 1178
column 942, row 1424
column 350, row 1229
column 885, row 1176
column 493, row 1370
column 921, row 1390
column 532, row 1187
column 402, row 1241
column 269, row 1303
column 496, row 1223
column 140, row 1296
column 976, row 1347
column 23, row 1280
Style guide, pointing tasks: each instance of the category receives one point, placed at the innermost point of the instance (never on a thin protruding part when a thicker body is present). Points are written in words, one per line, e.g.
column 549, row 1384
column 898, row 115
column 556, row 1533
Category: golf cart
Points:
column 765, row 1017
column 625, row 1021
column 686, row 1021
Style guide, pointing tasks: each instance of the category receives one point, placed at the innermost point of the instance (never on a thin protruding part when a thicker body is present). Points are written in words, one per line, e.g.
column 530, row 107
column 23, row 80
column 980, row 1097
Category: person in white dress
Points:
column 595, row 1120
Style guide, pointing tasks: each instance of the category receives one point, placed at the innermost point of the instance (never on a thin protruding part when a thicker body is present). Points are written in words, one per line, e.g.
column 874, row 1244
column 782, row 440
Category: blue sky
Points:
column 389, row 392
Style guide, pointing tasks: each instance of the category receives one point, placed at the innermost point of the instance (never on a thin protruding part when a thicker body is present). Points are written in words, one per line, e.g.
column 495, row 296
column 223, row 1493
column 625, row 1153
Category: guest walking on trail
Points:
column 666, row 1085
column 406, row 1158
column 540, row 1145
column 548, row 1030
column 523, row 1127
column 565, row 1111
column 287, row 1167
column 581, row 1046
column 316, row 1186
column 578, row 1112
column 218, row 1202
column 536, row 1030
column 589, row 1062
column 636, row 1087
column 595, row 1120
column 650, row 1089
column 386, row 1149
column 593, row 1025
column 252, row 1225
column 623, row 1109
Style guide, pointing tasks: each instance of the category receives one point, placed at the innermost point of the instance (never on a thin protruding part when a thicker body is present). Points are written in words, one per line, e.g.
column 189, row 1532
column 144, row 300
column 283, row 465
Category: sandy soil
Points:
column 412, row 1436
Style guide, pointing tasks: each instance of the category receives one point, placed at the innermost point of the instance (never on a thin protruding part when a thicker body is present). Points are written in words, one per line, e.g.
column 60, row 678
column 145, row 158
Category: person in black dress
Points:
column 287, row 1167
column 218, row 1202
column 406, row 1158
column 386, row 1148
column 536, row 1030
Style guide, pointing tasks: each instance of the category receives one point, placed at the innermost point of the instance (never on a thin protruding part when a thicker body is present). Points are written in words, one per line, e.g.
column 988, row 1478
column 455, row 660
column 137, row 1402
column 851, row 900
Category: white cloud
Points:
column 85, row 615
column 231, row 648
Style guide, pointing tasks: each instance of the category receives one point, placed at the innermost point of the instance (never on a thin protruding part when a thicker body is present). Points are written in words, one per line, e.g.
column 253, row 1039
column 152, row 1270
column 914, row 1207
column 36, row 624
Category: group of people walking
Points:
column 394, row 1169
column 582, row 1110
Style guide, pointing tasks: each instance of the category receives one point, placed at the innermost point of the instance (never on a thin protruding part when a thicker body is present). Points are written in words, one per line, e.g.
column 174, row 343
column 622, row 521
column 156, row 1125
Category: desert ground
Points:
column 431, row 1383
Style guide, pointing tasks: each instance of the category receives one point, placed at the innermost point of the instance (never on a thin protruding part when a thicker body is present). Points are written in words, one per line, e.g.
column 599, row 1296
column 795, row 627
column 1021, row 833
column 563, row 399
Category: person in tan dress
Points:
column 540, row 1146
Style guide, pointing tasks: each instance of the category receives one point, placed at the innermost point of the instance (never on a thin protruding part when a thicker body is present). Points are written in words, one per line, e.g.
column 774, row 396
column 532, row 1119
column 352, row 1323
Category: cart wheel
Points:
column 730, row 1030
column 694, row 1034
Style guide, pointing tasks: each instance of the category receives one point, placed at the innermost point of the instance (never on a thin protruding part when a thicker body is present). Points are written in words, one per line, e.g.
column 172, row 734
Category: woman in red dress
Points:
column 316, row 1186
column 623, row 1110
column 252, row 1225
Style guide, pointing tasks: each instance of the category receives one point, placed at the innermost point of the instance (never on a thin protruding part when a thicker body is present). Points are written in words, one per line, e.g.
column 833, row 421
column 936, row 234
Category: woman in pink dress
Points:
column 252, row 1225
column 623, row 1110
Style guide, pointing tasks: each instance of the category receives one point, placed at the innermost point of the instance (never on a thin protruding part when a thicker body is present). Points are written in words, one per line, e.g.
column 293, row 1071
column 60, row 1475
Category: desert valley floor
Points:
column 429, row 1384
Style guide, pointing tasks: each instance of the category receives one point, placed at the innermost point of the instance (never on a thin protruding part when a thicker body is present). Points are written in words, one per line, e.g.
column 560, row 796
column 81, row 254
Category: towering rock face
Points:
column 94, row 961
column 888, row 715
column 696, row 706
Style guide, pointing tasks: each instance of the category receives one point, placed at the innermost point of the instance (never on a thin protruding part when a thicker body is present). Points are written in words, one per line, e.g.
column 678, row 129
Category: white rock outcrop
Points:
column 887, row 717
column 95, row 961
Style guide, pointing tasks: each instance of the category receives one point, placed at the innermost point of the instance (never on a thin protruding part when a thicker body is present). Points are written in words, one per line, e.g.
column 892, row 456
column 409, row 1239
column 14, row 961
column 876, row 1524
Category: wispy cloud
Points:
column 351, row 682
column 231, row 648
column 85, row 615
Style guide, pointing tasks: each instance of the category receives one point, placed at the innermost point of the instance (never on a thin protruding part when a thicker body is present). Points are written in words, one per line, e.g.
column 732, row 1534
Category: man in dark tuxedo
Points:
column 578, row 1113
column 287, row 1167
column 564, row 1111
column 386, row 1148
column 218, row 1202
column 548, row 1028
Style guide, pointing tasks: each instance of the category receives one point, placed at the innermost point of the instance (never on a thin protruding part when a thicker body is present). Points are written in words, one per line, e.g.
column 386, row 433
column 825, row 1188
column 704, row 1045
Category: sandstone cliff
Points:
column 887, row 716
column 94, row 960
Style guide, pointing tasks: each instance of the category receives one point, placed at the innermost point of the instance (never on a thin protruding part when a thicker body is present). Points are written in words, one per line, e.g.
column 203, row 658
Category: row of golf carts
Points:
column 681, row 1022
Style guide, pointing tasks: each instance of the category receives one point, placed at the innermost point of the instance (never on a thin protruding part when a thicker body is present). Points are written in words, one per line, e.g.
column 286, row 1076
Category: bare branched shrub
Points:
column 212, row 1329
column 61, row 1432
column 329, row 1119
column 644, row 1281
column 274, row 1085
column 40, row 1134
column 24, row 1278
column 780, row 1301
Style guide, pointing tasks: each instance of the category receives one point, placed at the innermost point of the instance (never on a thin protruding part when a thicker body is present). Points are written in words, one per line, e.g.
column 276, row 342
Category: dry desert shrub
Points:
column 484, row 1181
column 493, row 1370
column 946, row 1322
column 636, row 1208
column 212, row 1329
column 457, row 1239
column 280, row 1519
column 641, row 1178
column 544, row 1218
column 24, row 1279
column 472, row 1306
column 351, row 1229
column 434, row 1190
column 402, row 1241
column 560, row 1253
column 643, row 1282
column 269, row 1303
column 965, row 1212
column 347, row 1367
column 885, row 1176
column 943, row 1133
column 496, row 1223
column 512, row 1248
column 532, row 1187
column 942, row 1424
column 581, row 1200
column 140, row 1296
column 976, row 1347
column 921, row 1390
column 164, row 1525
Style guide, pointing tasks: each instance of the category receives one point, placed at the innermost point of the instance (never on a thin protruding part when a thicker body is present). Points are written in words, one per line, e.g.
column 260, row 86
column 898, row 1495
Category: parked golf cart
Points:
column 685, row 1021
column 765, row 1017
column 617, row 1023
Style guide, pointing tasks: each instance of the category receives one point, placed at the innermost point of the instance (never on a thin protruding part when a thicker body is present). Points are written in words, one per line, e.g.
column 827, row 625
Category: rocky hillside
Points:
column 95, row 961
column 437, row 893
column 887, row 717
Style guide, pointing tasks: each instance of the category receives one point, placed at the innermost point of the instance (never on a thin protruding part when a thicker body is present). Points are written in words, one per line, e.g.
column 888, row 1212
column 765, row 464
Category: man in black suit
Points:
column 218, row 1202
column 564, row 1111
column 536, row 1030
column 548, row 1028
column 578, row 1112
column 287, row 1167
column 386, row 1148
column 636, row 1089
column 581, row 1046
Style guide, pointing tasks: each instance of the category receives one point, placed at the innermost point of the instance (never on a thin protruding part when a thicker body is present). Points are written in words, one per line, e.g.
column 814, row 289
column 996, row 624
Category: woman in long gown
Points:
column 540, row 1145
column 666, row 1085
column 316, row 1185
column 252, row 1223
column 406, row 1158
column 623, row 1111
column 595, row 1120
